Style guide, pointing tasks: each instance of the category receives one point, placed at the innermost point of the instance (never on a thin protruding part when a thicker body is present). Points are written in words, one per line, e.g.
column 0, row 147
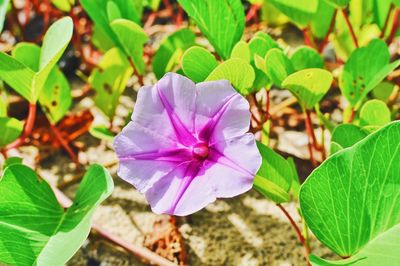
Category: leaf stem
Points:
column 385, row 25
column 395, row 26
column 352, row 115
column 312, row 140
column 28, row 127
column 308, row 40
column 64, row 144
column 300, row 236
column 252, row 12
column 326, row 38
column 350, row 27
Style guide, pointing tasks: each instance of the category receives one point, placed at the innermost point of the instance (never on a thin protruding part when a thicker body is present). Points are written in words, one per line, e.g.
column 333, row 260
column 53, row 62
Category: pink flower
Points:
column 188, row 144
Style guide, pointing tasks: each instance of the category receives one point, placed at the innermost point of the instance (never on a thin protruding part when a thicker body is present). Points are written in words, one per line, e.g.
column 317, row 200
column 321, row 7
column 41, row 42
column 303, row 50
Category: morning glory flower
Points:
column 187, row 144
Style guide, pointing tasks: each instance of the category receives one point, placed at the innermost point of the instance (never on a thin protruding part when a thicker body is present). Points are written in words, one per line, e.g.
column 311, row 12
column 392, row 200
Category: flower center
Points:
column 200, row 151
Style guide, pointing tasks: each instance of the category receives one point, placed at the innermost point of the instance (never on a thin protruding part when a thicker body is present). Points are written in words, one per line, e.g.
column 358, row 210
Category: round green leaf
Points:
column 306, row 57
column 198, row 63
column 237, row 71
column 352, row 198
column 101, row 132
column 242, row 51
column 346, row 135
column 374, row 113
column 309, row 85
column 278, row 66
column 171, row 49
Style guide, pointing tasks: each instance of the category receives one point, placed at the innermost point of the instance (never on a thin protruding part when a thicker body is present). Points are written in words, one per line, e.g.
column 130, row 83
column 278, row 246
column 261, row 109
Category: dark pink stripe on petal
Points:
column 172, row 155
column 182, row 133
column 207, row 131
column 191, row 172
column 216, row 156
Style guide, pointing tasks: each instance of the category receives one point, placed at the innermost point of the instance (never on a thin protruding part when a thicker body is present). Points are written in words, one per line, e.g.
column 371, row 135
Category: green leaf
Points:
column 11, row 129
column 260, row 44
column 298, row 13
column 132, row 38
column 363, row 72
column 345, row 136
column 28, row 54
column 3, row 11
column 97, row 11
column 321, row 20
column 56, row 98
column 309, row 85
column 171, row 49
column 12, row 160
column 30, row 216
column 242, row 51
column 374, row 113
column 352, row 198
column 101, row 132
column 3, row 100
column 306, row 57
column 18, row 76
column 153, row 4
column 382, row 250
column 63, row 5
column 273, row 179
column 113, row 11
column 110, row 80
column 383, row 91
column 198, row 63
column 339, row 3
column 54, row 44
column 237, row 71
column 278, row 66
column 208, row 14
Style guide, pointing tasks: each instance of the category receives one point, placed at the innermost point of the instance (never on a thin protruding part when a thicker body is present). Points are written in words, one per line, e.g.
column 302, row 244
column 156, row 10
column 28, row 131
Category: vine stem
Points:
column 312, row 141
column 395, row 26
column 326, row 38
column 141, row 252
column 352, row 115
column 300, row 236
column 350, row 27
column 28, row 127
column 64, row 144
column 308, row 40
column 252, row 12
column 386, row 21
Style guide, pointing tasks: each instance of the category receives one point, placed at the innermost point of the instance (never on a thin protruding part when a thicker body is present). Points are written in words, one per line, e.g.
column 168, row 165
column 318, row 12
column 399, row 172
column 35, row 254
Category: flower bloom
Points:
column 188, row 144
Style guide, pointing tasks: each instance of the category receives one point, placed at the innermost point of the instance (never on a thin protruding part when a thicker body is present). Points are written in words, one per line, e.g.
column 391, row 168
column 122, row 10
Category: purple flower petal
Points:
column 221, row 113
column 183, row 191
column 187, row 145
column 232, row 165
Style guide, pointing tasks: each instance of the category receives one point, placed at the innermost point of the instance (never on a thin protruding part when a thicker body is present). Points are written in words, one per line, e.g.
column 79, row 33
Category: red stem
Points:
column 28, row 127
column 252, row 12
column 27, row 9
column 179, row 17
column 351, row 30
column 352, row 115
column 386, row 21
column 307, row 38
column 326, row 38
column 311, row 131
column 298, row 232
column 312, row 141
column 64, row 144
column 395, row 26
column 267, row 105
